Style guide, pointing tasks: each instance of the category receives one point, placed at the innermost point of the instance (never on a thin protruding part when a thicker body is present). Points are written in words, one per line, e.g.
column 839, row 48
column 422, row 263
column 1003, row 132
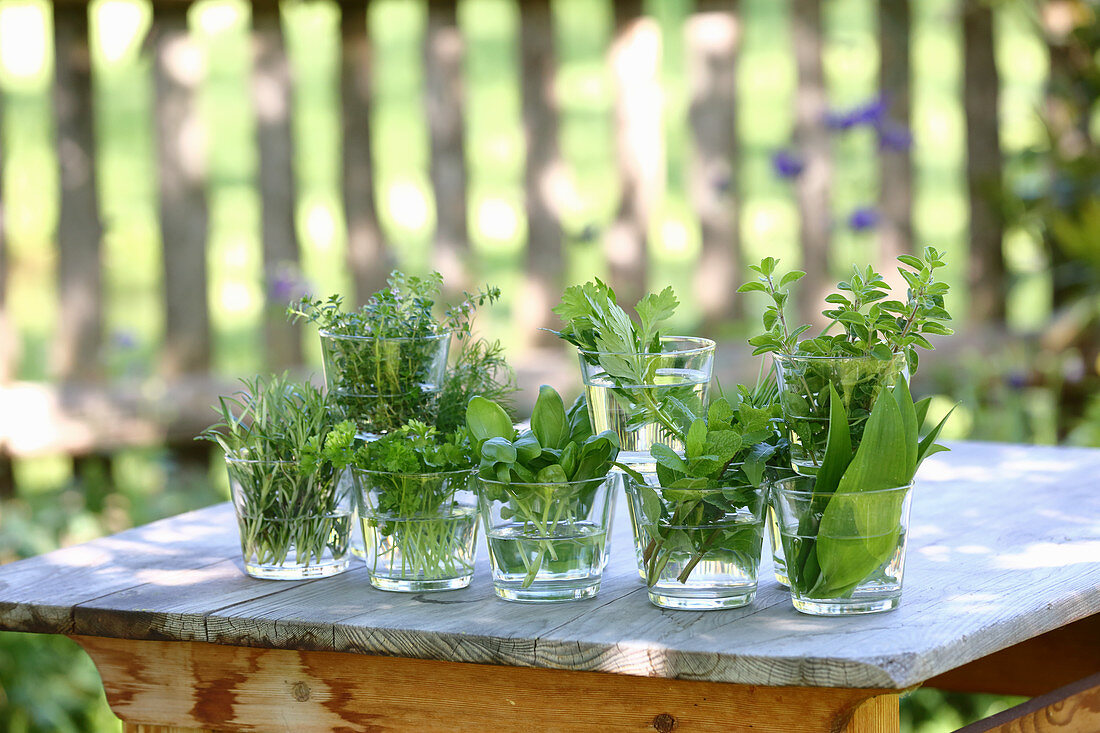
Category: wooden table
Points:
column 1002, row 593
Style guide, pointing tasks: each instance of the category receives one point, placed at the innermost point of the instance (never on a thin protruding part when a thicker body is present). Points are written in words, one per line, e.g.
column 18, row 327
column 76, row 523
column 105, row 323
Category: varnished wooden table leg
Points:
column 169, row 687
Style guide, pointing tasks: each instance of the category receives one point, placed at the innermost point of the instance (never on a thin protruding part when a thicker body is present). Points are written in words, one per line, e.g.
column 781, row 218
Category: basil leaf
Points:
column 486, row 420
column 548, row 420
column 527, row 447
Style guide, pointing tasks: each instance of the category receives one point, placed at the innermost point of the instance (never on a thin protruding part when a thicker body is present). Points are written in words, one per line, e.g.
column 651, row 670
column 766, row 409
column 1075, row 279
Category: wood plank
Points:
column 1003, row 548
column 1071, row 709
column 1033, row 667
column 986, row 273
column 543, row 174
column 879, row 714
column 39, row 594
column 712, row 36
column 895, row 157
column 204, row 685
column 445, row 105
column 635, row 60
column 139, row 728
column 181, row 157
column 369, row 259
column 812, row 188
column 79, row 336
column 271, row 100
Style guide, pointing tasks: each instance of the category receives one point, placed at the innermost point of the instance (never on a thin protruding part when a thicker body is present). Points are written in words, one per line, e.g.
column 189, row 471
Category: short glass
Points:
column 419, row 529
column 845, row 552
column 641, row 411
column 292, row 527
column 804, row 398
column 547, row 542
column 382, row 383
column 698, row 549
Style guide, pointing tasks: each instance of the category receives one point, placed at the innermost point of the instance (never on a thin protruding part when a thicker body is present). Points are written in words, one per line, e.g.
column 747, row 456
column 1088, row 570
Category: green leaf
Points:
column 928, row 445
column 488, row 420
column 904, row 401
column 914, row 262
column 527, row 446
column 498, row 450
column 754, row 286
column 552, row 474
column 548, row 420
column 668, row 458
column 654, row 309
column 719, row 414
column 791, row 277
column 696, row 436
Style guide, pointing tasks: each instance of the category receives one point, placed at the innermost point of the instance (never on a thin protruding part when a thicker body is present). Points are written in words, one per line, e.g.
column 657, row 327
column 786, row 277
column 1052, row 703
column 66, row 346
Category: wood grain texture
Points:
column 139, row 728
column 1071, row 709
column 1004, row 547
column 234, row 688
column 877, row 715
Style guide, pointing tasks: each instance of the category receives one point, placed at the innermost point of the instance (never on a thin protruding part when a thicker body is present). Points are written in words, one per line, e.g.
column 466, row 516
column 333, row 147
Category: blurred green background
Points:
column 1011, row 392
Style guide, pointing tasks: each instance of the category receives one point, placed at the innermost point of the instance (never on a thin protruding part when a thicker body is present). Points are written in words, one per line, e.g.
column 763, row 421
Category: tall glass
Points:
column 292, row 526
column 547, row 542
column 804, row 398
column 845, row 551
column 669, row 387
column 382, row 383
column 419, row 529
column 698, row 549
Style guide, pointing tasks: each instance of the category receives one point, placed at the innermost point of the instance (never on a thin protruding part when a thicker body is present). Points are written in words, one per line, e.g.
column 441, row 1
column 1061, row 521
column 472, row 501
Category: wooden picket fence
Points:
column 81, row 415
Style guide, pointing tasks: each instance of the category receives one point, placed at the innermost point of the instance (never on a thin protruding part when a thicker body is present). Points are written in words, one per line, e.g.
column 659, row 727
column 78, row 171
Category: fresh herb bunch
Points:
column 822, row 560
column 412, row 476
column 548, row 475
column 883, row 334
column 623, row 349
column 479, row 369
column 871, row 325
column 386, row 362
column 285, row 458
column 719, row 476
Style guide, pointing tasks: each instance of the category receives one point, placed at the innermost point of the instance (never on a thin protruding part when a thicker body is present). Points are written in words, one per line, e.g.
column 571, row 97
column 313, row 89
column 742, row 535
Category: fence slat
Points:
column 368, row 257
column 813, row 185
column 181, row 157
column 635, row 62
column 445, row 104
column 545, row 267
column 896, row 161
column 80, row 283
column 981, row 91
column 712, row 36
column 271, row 99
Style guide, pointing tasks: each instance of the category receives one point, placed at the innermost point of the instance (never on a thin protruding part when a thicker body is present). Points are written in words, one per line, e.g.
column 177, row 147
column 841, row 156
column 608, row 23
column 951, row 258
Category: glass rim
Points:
column 705, row 345
column 274, row 462
column 349, row 337
column 494, row 482
column 633, row 485
column 846, row 357
column 327, row 515
column 778, row 486
column 422, row 474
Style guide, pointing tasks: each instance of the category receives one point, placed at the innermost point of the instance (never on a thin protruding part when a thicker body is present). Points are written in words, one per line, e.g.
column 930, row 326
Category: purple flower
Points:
column 894, row 136
column 872, row 113
column 787, row 164
column 286, row 284
column 123, row 340
column 862, row 219
column 1017, row 380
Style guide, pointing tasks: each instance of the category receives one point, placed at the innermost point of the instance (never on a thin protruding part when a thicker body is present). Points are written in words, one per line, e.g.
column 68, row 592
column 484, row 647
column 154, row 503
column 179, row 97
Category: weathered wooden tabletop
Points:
column 1004, row 545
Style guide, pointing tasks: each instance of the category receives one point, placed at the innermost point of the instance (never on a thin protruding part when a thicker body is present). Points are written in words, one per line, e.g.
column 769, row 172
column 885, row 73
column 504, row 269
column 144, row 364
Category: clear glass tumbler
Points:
column 382, row 383
column 845, row 552
column 292, row 526
column 419, row 529
column 641, row 408
column 698, row 549
column 547, row 542
column 804, row 397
